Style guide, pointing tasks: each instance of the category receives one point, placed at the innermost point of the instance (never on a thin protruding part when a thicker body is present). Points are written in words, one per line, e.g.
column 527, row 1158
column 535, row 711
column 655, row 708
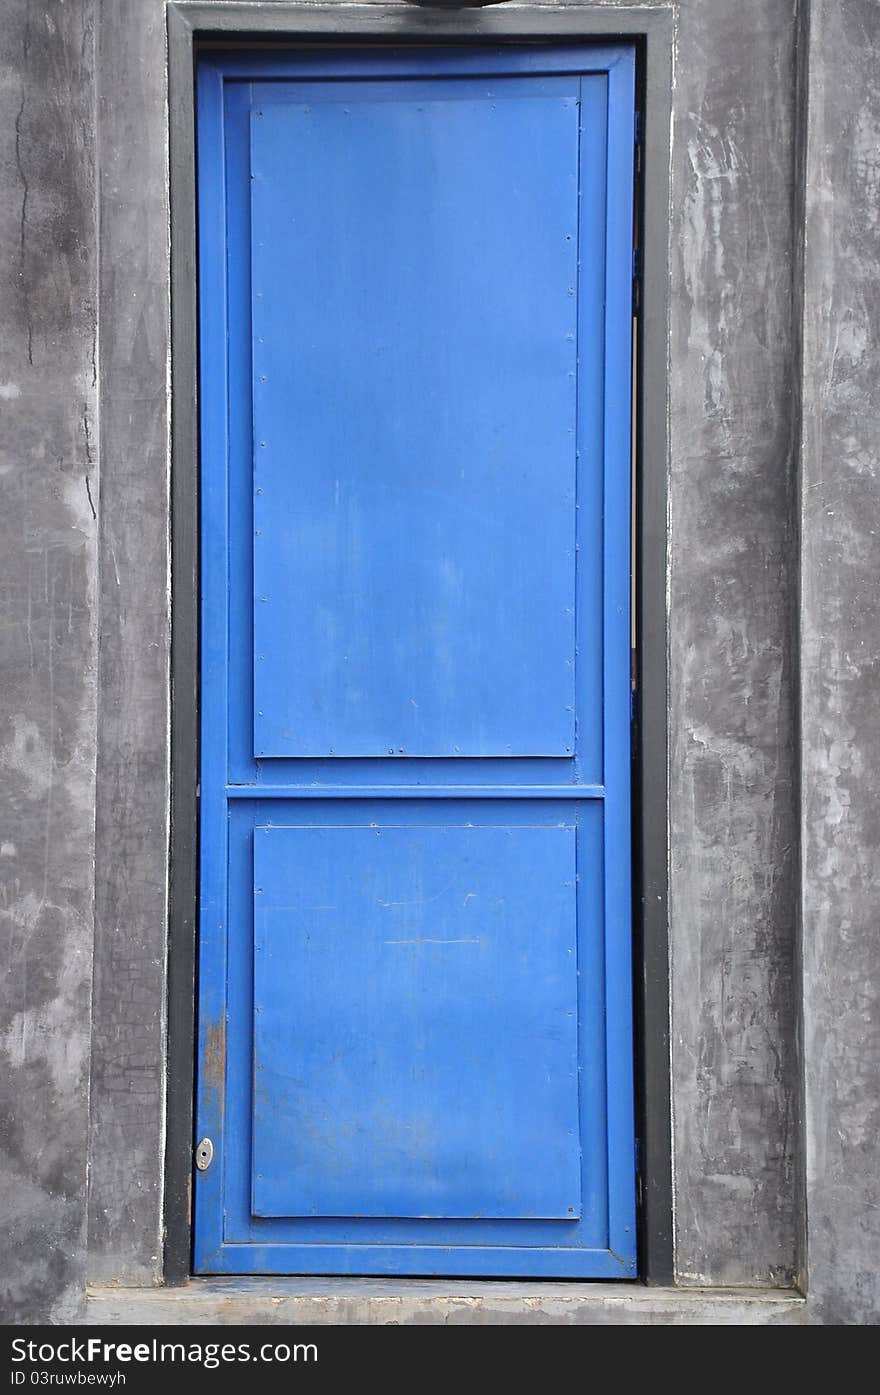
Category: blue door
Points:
column 415, row 1024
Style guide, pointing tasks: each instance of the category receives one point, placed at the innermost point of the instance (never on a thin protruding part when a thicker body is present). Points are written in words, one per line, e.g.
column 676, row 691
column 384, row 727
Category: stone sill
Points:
column 430, row 1302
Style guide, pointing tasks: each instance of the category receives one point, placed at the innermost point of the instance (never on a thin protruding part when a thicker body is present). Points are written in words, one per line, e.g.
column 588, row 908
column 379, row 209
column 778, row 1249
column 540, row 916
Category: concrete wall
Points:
column 731, row 625
column 757, row 315
column 840, row 635
column 128, row 1077
column 48, row 645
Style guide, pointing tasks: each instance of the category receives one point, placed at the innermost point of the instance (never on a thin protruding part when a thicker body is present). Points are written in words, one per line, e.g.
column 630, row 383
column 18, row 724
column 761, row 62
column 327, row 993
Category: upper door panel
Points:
column 415, row 405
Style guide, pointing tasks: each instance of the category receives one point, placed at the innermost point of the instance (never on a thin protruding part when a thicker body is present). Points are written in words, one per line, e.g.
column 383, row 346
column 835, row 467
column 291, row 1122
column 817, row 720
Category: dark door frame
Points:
column 201, row 23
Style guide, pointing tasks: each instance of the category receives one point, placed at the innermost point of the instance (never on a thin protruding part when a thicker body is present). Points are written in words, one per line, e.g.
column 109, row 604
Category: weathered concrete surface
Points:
column 840, row 629
column 426, row 1303
column 731, row 620
column 732, row 555
column 48, row 571
column 128, row 1062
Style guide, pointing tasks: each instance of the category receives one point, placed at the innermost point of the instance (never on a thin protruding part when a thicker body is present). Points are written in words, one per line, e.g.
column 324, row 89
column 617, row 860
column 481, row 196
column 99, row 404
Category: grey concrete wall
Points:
column 731, row 625
column 128, row 1061
column 48, row 646
column 840, row 629
column 735, row 833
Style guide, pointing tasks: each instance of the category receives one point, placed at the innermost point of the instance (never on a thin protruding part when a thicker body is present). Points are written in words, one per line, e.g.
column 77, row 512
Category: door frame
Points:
column 191, row 28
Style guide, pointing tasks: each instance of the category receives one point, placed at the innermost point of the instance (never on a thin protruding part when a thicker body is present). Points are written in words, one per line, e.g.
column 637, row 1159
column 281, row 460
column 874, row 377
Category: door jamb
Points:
column 193, row 23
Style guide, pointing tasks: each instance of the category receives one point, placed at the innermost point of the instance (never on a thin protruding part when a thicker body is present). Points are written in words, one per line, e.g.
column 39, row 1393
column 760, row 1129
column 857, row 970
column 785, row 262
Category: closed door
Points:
column 415, row 938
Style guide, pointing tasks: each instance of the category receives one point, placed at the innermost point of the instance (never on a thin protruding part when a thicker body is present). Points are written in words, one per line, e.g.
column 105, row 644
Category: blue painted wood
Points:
column 617, row 453
column 485, row 61
column 582, row 795
column 352, row 791
column 240, row 1225
column 414, row 413
column 215, row 454
column 439, row 1077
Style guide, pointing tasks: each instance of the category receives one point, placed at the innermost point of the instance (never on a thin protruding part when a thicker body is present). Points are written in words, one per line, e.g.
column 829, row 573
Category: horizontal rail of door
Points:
column 415, row 791
column 395, row 62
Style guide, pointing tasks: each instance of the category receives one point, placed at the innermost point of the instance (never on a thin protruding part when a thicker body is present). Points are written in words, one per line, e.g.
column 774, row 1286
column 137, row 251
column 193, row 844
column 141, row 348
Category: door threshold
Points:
column 267, row 1301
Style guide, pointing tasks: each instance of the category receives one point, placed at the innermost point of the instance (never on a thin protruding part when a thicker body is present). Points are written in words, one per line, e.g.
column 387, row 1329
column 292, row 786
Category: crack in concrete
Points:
column 25, row 188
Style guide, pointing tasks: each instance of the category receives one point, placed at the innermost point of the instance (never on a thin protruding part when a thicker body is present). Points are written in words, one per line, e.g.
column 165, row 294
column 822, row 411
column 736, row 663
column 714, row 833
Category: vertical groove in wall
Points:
column 651, row 802
column 184, row 656
column 97, row 510
column 799, row 208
